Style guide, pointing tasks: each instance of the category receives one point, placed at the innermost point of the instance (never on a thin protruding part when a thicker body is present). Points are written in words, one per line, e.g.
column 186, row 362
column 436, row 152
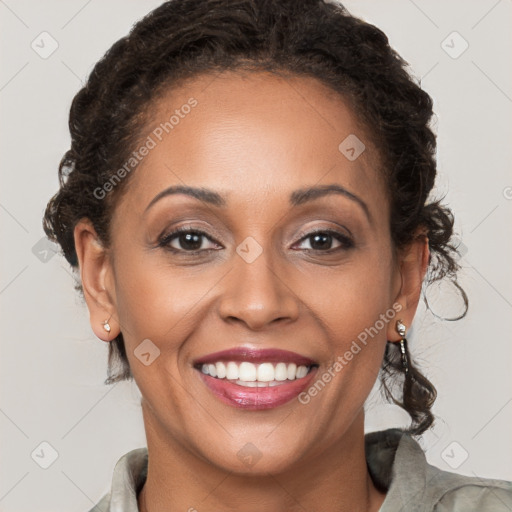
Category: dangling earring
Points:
column 400, row 327
column 106, row 326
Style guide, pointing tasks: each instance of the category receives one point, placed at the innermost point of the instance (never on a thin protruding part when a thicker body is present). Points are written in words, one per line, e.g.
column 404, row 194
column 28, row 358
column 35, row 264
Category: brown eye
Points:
column 322, row 240
column 186, row 240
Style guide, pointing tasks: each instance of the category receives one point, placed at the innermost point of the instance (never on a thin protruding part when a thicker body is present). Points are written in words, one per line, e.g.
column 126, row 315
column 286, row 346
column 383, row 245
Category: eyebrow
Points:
column 297, row 198
column 310, row 193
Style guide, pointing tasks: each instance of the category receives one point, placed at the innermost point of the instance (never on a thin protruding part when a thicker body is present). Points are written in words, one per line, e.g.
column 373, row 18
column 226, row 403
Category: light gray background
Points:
column 52, row 366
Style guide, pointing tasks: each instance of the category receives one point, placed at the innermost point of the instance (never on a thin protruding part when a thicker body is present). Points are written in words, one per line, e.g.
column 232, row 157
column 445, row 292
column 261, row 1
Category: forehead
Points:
column 254, row 136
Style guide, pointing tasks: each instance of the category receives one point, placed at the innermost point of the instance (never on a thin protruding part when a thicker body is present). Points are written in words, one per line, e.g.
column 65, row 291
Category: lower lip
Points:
column 256, row 398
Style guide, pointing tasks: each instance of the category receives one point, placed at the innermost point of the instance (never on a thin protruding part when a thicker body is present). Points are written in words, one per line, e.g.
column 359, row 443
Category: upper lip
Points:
column 255, row 355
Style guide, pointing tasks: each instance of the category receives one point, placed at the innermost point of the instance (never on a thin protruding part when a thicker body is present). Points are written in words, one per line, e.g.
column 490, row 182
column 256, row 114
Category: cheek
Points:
column 156, row 301
column 355, row 308
column 356, row 325
column 163, row 304
column 352, row 298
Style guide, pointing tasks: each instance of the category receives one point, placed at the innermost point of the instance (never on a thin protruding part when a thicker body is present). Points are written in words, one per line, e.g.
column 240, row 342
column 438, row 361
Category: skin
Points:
column 253, row 138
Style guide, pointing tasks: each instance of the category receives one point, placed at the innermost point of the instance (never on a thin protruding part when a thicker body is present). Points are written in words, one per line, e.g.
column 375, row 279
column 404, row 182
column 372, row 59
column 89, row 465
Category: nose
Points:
column 258, row 294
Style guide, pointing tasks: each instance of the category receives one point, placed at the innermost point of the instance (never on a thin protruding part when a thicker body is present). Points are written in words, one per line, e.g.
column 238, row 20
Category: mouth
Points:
column 255, row 379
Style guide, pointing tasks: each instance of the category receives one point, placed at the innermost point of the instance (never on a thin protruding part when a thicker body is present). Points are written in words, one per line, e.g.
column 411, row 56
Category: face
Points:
column 285, row 259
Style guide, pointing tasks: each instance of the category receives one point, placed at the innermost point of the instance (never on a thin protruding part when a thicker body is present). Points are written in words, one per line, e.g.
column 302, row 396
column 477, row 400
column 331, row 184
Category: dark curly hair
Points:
column 182, row 39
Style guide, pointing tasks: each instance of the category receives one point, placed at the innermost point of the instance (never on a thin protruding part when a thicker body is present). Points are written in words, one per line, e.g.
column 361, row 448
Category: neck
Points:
column 336, row 480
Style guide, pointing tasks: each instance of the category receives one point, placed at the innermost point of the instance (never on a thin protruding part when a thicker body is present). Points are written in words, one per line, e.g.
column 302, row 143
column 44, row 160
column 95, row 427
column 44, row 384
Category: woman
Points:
column 246, row 198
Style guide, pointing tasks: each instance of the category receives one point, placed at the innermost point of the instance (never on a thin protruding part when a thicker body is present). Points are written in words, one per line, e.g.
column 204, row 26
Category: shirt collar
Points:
column 398, row 466
column 129, row 476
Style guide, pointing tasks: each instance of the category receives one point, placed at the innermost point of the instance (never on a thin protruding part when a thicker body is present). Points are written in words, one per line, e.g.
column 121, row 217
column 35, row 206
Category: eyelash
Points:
column 164, row 241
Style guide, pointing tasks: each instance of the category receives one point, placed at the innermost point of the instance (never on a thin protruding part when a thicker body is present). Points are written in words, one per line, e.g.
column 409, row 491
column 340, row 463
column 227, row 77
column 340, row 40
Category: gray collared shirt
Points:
column 396, row 463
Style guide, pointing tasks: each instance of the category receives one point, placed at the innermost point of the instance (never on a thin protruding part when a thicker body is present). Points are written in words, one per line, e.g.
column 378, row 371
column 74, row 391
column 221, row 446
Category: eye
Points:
column 186, row 240
column 322, row 240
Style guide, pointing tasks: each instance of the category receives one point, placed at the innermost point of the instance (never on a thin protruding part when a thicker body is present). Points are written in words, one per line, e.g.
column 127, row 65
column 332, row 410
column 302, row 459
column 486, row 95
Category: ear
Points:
column 413, row 263
column 97, row 280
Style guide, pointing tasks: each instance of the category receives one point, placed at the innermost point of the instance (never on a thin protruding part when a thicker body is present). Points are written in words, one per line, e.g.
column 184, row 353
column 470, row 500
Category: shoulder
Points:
column 458, row 493
column 397, row 464
column 130, row 473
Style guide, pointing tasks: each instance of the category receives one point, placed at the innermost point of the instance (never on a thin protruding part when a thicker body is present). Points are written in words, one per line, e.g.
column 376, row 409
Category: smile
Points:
column 250, row 375
column 256, row 379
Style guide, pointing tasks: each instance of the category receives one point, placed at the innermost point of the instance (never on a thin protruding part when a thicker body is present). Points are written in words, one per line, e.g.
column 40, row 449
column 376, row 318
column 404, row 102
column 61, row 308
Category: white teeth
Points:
column 247, row 372
column 291, row 371
column 256, row 384
column 266, row 372
column 252, row 375
column 221, row 370
column 250, row 384
column 281, row 372
column 231, row 371
column 212, row 370
column 302, row 371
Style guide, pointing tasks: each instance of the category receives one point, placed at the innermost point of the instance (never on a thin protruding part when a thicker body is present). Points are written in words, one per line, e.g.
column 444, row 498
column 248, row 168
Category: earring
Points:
column 400, row 327
column 106, row 326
